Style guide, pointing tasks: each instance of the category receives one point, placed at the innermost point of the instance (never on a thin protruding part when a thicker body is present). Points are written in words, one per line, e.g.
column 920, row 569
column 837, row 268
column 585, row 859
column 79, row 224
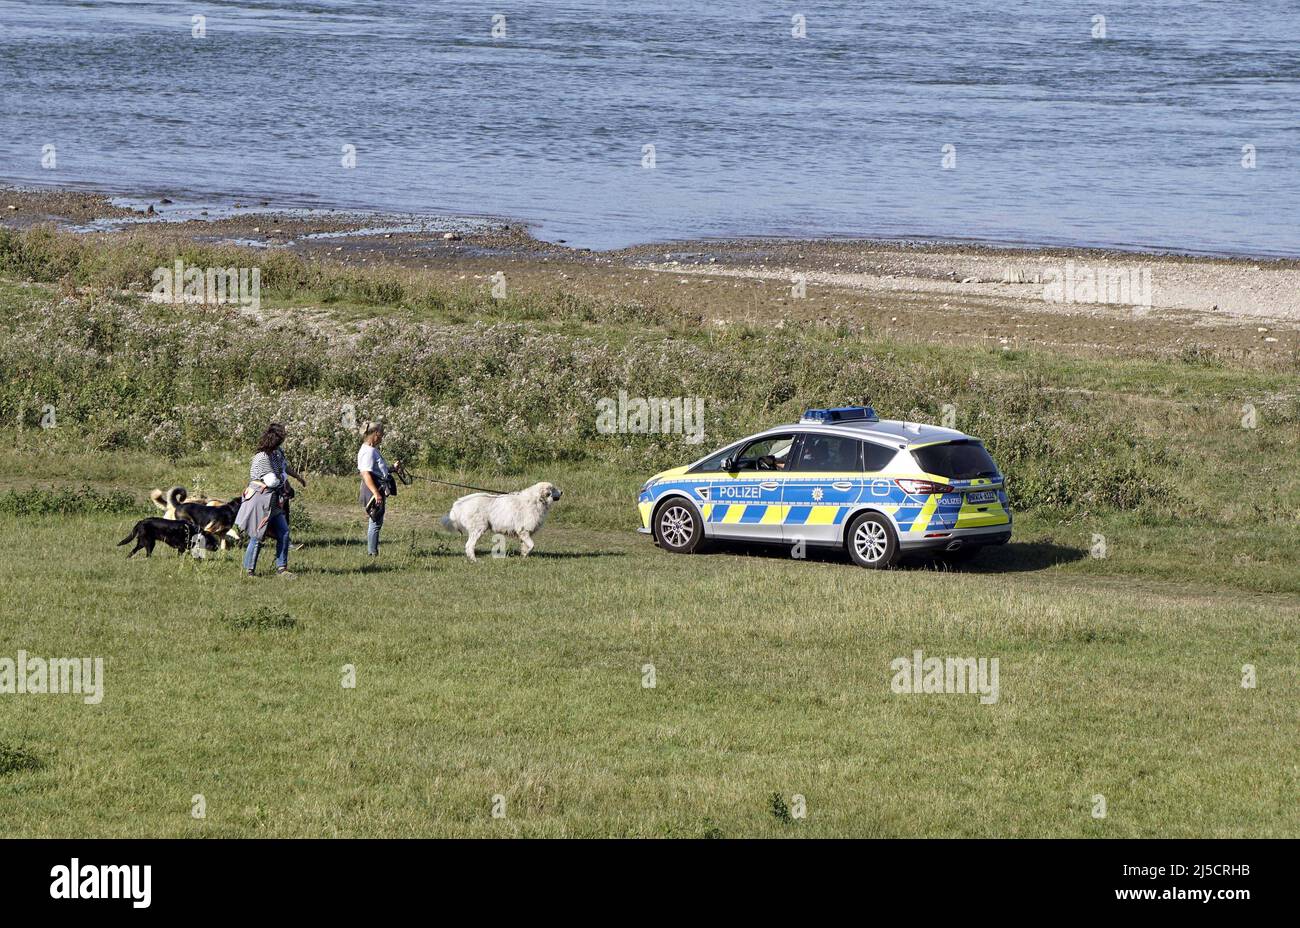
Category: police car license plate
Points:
column 983, row 496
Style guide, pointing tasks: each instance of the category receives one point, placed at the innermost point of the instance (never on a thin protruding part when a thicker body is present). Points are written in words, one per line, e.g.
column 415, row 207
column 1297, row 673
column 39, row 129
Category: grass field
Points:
column 1120, row 676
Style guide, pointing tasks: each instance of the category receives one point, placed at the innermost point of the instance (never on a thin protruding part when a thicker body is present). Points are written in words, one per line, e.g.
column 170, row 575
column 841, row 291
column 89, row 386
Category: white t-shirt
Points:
column 369, row 459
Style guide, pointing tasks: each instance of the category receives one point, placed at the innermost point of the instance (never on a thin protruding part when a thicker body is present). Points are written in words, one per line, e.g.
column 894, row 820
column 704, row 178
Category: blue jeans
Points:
column 277, row 526
column 372, row 531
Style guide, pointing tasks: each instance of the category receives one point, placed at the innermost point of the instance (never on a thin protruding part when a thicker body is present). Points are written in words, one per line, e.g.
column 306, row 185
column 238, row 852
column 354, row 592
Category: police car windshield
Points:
column 770, row 453
column 956, row 460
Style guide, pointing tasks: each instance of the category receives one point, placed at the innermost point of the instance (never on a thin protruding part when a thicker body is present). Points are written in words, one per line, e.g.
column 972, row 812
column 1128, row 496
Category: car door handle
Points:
column 842, row 485
column 769, row 484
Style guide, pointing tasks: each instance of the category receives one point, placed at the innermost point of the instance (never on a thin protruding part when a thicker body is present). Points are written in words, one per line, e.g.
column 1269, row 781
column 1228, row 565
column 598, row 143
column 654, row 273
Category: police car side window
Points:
column 877, row 456
column 771, row 453
column 829, row 452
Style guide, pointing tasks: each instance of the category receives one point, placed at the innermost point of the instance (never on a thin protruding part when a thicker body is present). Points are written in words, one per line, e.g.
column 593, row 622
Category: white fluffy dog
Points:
column 519, row 514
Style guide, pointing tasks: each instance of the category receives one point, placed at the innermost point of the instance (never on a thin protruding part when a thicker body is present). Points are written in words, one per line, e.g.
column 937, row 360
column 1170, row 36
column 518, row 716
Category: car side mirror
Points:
column 729, row 465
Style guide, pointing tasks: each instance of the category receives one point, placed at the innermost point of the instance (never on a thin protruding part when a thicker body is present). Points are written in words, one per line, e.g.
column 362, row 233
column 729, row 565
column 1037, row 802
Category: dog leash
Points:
column 406, row 477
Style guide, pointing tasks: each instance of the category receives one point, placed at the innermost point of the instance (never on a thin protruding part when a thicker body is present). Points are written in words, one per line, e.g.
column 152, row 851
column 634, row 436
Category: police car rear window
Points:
column 877, row 456
column 956, row 460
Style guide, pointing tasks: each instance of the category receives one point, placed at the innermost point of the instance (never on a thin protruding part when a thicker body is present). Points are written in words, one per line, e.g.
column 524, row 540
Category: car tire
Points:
column 678, row 526
column 871, row 541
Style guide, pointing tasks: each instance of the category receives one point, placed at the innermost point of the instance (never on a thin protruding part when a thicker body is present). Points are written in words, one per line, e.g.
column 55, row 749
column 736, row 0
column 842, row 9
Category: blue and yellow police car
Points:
column 839, row 477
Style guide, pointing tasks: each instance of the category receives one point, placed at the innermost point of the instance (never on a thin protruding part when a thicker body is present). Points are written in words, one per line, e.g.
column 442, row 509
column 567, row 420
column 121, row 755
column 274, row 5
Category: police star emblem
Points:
column 817, row 494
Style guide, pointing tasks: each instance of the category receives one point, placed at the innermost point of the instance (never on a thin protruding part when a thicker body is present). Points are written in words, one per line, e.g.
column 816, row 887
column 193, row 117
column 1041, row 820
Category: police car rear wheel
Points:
column 872, row 542
column 678, row 526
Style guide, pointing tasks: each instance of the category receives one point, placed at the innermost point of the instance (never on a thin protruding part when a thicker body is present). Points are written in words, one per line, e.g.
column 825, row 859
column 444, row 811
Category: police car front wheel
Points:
column 678, row 526
column 871, row 541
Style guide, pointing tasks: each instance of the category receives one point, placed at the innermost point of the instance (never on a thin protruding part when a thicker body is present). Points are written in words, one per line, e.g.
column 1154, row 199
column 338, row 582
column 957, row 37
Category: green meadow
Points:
column 602, row 687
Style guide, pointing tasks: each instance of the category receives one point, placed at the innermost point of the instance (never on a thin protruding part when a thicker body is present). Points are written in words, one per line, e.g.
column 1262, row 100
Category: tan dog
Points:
column 168, row 501
column 210, row 515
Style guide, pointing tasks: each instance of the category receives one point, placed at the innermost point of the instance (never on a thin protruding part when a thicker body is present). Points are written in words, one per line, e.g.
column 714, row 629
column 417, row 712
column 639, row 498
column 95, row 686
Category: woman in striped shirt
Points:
column 265, row 507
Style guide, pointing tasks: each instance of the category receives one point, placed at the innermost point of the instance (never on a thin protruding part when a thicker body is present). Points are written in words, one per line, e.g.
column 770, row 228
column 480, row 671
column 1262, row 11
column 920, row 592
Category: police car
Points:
column 839, row 477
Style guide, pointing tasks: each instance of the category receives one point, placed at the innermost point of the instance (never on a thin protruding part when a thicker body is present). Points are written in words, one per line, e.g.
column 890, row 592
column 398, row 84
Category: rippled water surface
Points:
column 1134, row 140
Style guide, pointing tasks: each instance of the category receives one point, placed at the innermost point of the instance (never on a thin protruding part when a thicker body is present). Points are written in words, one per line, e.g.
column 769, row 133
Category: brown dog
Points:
column 210, row 515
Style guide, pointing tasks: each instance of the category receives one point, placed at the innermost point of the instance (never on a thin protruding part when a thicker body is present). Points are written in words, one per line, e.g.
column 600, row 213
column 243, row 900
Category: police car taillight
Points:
column 923, row 487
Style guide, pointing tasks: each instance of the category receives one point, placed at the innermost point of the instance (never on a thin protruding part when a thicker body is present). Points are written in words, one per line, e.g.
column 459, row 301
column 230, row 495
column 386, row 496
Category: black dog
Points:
column 219, row 519
column 175, row 533
column 210, row 517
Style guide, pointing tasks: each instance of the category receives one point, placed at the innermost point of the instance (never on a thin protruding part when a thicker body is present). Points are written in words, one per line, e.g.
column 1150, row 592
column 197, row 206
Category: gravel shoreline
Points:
column 921, row 290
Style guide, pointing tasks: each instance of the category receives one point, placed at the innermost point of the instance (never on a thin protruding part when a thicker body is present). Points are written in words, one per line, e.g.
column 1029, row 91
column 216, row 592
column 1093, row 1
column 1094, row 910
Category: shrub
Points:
column 130, row 374
column 16, row 758
column 264, row 619
column 65, row 501
column 780, row 811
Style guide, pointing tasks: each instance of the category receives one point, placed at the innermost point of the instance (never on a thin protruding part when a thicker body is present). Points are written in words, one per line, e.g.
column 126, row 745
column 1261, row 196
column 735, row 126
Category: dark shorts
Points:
column 376, row 515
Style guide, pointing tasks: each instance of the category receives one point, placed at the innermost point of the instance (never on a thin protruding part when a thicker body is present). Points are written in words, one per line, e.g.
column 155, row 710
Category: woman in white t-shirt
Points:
column 376, row 481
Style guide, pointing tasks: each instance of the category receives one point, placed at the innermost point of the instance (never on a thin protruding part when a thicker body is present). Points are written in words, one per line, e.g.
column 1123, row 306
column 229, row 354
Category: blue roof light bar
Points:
column 840, row 414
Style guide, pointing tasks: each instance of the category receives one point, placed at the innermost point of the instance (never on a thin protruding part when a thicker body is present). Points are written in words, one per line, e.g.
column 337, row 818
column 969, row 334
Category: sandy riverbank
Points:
column 924, row 291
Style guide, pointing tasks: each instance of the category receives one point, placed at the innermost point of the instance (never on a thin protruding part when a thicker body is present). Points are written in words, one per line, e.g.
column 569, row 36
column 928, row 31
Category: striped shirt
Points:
column 267, row 463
